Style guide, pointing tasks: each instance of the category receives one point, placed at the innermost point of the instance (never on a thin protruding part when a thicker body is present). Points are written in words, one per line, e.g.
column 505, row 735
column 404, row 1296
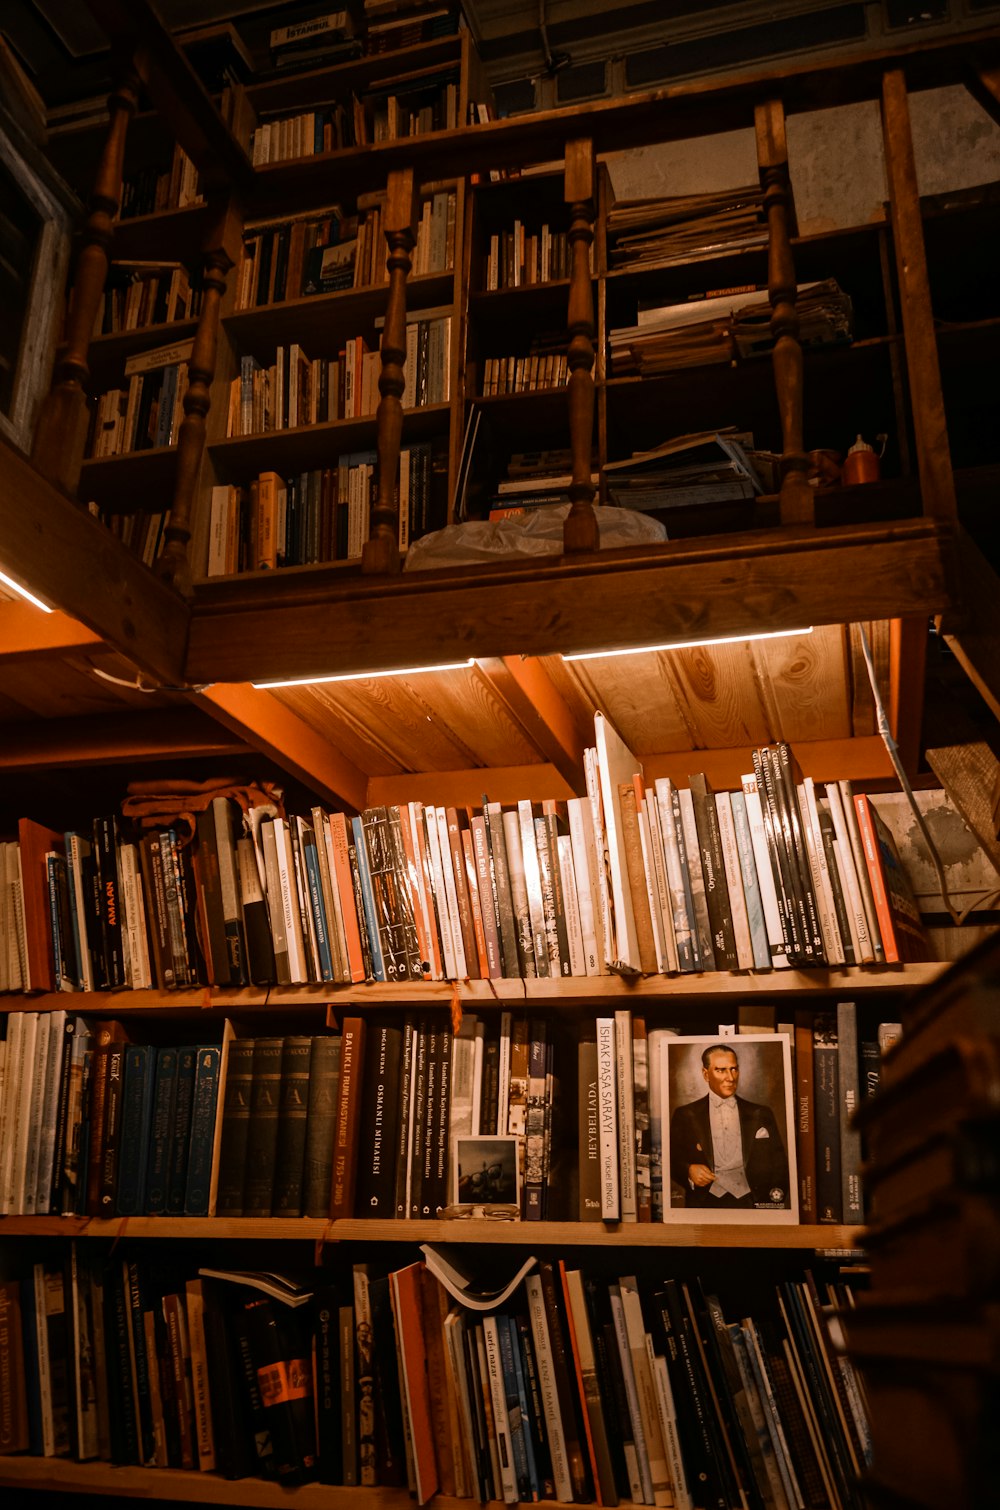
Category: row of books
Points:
column 328, row 251
column 297, row 390
column 403, row 1117
column 565, row 1386
column 728, row 326
column 155, row 188
column 94, row 1126
column 682, row 227
column 519, row 258
column 148, row 413
column 524, row 374
column 642, row 881
column 137, row 294
column 314, row 516
column 379, row 115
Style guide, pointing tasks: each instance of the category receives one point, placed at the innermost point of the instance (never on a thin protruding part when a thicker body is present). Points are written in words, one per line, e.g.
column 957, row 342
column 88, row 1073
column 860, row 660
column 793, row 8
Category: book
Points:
column 900, row 924
column 346, row 1130
column 826, row 1085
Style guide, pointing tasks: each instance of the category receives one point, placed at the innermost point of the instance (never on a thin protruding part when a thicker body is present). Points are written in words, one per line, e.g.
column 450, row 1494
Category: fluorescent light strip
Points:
column 363, row 676
column 23, row 592
column 724, row 639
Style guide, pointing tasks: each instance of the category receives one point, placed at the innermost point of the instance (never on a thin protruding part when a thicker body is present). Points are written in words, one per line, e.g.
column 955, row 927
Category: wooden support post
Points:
column 61, row 432
column 221, row 254
column 937, row 484
column 580, row 530
column 795, row 499
column 380, row 554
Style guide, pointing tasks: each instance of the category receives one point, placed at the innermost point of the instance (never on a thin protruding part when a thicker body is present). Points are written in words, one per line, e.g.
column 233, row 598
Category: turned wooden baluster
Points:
column 580, row 528
column 380, row 554
column 222, row 250
column 795, row 499
column 61, row 432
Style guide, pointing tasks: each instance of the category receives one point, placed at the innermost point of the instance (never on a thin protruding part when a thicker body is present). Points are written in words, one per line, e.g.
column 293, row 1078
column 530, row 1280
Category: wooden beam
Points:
column 265, row 724
column 533, row 702
column 322, row 623
column 507, row 784
column 984, row 86
column 115, row 739
column 968, row 773
column 973, row 635
column 68, row 559
column 25, row 632
column 937, row 483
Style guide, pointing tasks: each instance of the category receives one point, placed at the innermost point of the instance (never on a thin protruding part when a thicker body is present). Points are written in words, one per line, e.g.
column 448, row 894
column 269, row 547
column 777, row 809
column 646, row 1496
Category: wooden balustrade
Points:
column 61, row 432
column 221, row 253
column 795, row 500
column 580, row 529
column 380, row 554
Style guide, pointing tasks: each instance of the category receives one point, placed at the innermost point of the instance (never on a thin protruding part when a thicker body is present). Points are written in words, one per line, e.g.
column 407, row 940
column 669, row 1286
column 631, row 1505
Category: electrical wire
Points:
column 957, row 917
column 139, row 683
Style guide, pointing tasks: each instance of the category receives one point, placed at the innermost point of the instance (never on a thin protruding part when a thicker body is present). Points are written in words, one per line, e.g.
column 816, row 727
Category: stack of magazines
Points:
column 683, row 226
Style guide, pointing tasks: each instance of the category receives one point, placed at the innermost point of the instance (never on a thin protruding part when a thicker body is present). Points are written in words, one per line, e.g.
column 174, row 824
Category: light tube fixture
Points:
column 23, row 592
column 722, row 639
column 362, row 676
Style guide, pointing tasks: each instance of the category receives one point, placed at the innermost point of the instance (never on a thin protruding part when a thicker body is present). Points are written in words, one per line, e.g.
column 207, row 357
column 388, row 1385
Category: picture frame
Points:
column 485, row 1171
column 763, row 1190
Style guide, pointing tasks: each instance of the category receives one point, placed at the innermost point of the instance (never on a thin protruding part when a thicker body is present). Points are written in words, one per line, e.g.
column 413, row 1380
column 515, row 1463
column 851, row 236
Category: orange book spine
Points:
column 345, row 886
column 869, row 843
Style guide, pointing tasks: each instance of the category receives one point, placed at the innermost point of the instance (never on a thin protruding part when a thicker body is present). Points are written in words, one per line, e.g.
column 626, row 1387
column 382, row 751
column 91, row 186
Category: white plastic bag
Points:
column 536, row 533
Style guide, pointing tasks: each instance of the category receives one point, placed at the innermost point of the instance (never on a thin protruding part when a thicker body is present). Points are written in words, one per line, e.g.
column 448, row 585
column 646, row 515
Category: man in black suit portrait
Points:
column 726, row 1152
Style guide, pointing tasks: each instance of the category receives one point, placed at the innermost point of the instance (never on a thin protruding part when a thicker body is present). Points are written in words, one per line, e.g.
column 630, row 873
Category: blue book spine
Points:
column 522, row 1395
column 368, row 899
column 318, row 910
column 515, row 1419
column 180, row 1134
column 137, row 1109
column 158, row 1160
column 203, row 1114
column 751, row 886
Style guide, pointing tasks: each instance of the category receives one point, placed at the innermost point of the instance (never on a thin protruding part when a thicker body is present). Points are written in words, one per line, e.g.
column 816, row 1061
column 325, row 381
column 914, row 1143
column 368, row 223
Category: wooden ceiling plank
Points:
column 804, row 684
column 268, row 726
column 720, row 695
column 506, row 784
column 116, row 739
column 26, row 631
column 524, row 687
column 65, row 557
column 782, row 579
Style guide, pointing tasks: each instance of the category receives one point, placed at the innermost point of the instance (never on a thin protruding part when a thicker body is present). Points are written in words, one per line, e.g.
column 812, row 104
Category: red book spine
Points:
column 869, row 843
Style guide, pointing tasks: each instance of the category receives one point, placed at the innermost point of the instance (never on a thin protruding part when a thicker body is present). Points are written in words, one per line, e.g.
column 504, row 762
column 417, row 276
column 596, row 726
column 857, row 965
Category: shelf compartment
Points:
column 509, row 1234
column 135, row 482
column 309, row 446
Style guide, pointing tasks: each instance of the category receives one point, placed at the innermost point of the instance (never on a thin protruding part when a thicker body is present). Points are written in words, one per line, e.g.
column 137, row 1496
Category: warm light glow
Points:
column 23, row 592
column 724, row 639
column 363, row 676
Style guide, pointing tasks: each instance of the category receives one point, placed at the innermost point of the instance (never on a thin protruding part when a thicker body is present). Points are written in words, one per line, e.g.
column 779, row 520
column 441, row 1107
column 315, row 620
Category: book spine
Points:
column 805, row 1116
column 829, row 1191
column 352, row 1049
column 714, row 872
column 321, row 1117
column 204, row 1111
column 690, row 850
column 500, row 871
column 293, row 1107
column 849, row 1091
column 607, row 1106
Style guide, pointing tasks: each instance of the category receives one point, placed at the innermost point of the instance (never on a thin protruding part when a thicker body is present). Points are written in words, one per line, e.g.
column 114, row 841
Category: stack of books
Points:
column 535, row 479
column 710, row 467
column 148, row 413
column 156, row 188
column 138, row 294
column 683, row 227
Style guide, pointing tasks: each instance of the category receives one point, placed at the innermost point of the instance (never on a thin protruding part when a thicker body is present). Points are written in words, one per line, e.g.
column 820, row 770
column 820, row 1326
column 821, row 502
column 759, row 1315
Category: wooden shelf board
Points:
column 108, row 352
column 319, row 445
column 510, row 1234
column 572, row 992
column 318, row 317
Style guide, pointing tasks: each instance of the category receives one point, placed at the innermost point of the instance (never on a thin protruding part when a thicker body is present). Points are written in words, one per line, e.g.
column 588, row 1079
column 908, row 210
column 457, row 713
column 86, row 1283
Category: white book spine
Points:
column 600, row 851
column 440, row 891
column 498, row 1397
column 586, row 900
column 668, row 1426
column 861, row 936
column 49, row 1112
column 656, row 1452
column 642, row 1491
column 289, row 903
column 463, row 1071
column 451, row 894
column 607, row 1112
column 626, row 1114
column 665, row 911
column 765, row 875
column 571, row 906
column 503, row 1075
column 29, row 1176
column 9, row 1108
column 734, row 881
column 652, row 897
column 832, row 944
column 547, row 1388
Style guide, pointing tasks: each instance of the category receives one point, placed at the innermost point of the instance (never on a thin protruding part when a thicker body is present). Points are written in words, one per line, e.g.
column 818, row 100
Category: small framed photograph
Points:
column 728, row 1130
column 486, row 1172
